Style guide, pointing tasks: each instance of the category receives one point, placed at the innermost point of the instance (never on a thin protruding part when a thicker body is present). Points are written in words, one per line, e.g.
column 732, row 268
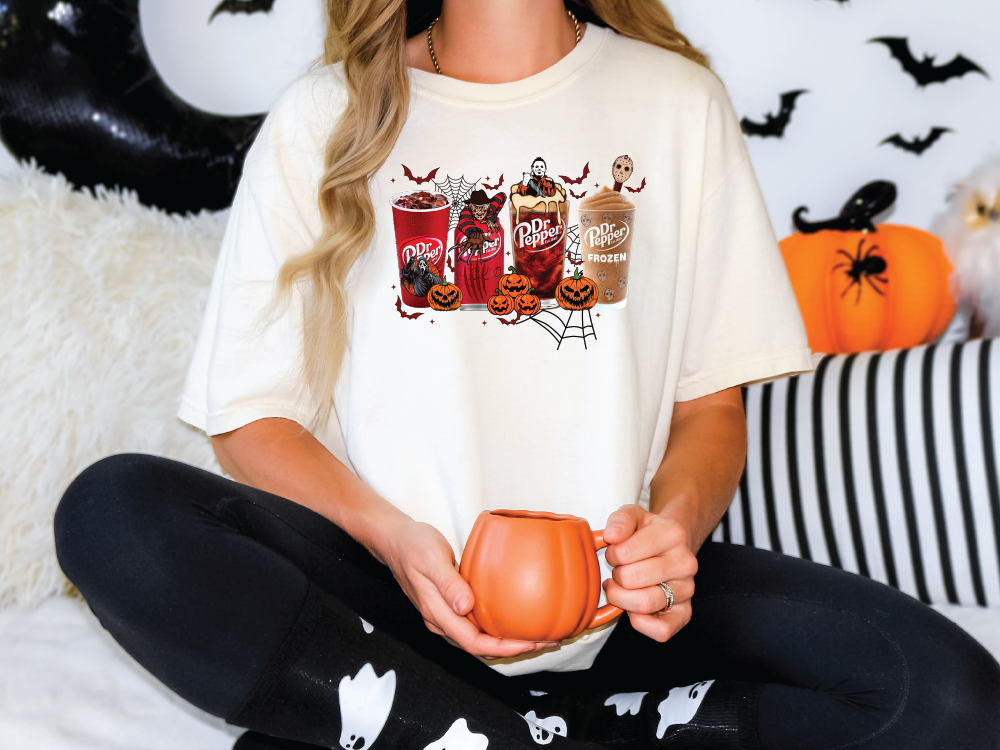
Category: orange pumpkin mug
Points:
column 535, row 575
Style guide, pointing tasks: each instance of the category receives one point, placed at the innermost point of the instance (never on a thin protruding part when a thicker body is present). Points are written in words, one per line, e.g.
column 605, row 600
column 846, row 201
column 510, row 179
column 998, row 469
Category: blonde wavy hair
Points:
column 369, row 38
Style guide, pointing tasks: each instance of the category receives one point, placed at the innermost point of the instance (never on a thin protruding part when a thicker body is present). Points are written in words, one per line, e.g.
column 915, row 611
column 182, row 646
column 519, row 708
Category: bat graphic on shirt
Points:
column 774, row 125
column 242, row 6
column 925, row 72
column 578, row 197
column 420, row 180
column 917, row 145
column 511, row 322
column 494, row 187
column 638, row 189
column 569, row 181
column 399, row 308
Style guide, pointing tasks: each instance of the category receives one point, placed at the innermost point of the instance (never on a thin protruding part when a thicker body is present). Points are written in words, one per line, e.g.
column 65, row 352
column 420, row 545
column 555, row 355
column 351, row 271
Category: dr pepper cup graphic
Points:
column 607, row 219
column 539, row 210
column 535, row 575
column 420, row 219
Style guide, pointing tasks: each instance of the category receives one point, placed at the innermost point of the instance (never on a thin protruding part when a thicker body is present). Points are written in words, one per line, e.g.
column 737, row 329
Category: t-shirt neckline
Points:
column 467, row 92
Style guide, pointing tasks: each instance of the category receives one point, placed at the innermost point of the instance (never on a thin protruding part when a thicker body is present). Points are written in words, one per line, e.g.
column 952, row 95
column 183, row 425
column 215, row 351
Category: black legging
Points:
column 249, row 606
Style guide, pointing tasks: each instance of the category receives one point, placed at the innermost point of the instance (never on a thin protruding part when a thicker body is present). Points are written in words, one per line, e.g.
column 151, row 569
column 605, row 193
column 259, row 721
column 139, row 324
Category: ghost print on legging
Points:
column 680, row 705
column 365, row 702
column 459, row 737
column 543, row 730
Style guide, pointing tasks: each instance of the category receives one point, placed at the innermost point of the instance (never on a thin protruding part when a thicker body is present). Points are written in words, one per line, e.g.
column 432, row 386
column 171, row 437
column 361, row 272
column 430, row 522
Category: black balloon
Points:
column 79, row 93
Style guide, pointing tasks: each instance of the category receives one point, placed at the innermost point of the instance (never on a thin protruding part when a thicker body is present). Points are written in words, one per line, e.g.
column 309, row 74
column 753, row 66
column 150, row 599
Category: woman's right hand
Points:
column 424, row 564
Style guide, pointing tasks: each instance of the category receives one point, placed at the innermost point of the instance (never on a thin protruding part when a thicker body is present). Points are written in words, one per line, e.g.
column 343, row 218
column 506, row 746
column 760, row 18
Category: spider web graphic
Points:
column 573, row 254
column 562, row 328
column 458, row 190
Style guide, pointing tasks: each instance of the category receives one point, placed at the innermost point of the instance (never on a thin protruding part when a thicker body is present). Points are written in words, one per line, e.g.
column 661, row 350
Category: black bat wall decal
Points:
column 925, row 72
column 242, row 6
column 420, row 180
column 774, row 126
column 917, row 145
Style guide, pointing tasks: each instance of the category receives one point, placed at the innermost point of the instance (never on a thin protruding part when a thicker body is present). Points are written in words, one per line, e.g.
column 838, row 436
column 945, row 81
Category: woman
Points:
column 308, row 601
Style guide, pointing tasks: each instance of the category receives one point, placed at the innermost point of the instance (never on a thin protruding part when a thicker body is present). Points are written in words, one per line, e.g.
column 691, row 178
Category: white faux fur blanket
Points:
column 101, row 300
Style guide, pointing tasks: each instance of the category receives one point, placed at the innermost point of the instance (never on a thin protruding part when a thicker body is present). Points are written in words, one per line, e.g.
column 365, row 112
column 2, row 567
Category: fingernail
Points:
column 460, row 604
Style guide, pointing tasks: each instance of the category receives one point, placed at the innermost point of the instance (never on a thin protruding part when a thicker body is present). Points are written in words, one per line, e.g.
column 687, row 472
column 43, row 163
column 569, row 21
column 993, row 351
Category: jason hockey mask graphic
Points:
column 365, row 702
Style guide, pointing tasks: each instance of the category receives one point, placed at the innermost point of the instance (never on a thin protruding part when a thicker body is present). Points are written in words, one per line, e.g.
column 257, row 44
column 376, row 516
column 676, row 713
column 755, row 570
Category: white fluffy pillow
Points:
column 101, row 300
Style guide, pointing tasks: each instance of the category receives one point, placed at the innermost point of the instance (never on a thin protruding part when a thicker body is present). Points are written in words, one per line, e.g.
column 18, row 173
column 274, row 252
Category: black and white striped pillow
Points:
column 884, row 464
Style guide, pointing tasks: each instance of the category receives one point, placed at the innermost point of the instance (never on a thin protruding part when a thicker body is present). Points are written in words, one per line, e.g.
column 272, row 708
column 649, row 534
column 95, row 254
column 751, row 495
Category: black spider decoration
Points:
column 867, row 266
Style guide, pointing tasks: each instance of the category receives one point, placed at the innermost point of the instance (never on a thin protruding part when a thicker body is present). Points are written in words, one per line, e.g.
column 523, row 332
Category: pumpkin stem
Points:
column 512, row 269
column 857, row 213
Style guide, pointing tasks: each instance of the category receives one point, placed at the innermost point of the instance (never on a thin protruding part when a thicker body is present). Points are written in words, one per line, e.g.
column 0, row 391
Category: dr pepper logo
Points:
column 423, row 247
column 490, row 248
column 606, row 236
column 538, row 234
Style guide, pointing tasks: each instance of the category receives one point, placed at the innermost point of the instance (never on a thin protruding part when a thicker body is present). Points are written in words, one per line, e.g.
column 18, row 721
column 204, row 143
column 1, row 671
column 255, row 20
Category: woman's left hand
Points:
column 645, row 549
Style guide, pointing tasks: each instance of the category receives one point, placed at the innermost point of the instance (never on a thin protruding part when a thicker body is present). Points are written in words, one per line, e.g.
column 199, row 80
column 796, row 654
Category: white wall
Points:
column 859, row 94
column 760, row 48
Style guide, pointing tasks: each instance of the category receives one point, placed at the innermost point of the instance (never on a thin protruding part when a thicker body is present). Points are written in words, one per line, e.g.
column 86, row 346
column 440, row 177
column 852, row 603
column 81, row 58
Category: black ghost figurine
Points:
column 79, row 93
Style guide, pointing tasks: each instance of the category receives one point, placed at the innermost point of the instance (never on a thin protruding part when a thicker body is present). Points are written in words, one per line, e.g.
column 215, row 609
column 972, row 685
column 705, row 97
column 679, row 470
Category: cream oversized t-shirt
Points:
column 448, row 413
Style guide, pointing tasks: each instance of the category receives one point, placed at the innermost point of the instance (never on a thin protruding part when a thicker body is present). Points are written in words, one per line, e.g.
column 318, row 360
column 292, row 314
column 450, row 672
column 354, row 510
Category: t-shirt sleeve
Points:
column 744, row 325
column 246, row 366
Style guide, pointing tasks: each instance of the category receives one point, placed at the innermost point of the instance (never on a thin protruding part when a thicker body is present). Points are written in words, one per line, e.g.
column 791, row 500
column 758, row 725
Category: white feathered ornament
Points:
column 970, row 230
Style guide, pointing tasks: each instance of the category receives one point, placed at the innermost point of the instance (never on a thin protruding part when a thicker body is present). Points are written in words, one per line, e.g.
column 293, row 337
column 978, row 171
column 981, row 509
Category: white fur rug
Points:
column 102, row 299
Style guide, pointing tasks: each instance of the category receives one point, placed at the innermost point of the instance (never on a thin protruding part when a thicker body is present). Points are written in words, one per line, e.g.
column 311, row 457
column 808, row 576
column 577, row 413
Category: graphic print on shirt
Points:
column 459, row 737
column 368, row 627
column 478, row 247
column 680, row 705
column 623, row 702
column 365, row 702
column 559, row 276
column 542, row 730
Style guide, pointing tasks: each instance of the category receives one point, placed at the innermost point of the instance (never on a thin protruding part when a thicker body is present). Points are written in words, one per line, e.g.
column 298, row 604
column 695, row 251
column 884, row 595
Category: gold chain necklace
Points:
column 430, row 43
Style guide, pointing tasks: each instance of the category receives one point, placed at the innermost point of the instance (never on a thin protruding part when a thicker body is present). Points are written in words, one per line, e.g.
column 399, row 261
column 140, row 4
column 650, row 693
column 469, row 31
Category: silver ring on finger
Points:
column 669, row 593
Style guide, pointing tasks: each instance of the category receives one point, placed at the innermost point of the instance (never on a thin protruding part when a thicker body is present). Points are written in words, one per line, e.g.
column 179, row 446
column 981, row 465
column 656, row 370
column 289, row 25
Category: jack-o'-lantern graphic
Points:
column 444, row 296
column 576, row 292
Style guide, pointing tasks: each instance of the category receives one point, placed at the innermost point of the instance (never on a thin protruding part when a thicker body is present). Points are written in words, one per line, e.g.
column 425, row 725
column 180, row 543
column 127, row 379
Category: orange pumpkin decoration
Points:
column 576, row 292
column 528, row 303
column 867, row 287
column 500, row 303
column 444, row 296
column 514, row 284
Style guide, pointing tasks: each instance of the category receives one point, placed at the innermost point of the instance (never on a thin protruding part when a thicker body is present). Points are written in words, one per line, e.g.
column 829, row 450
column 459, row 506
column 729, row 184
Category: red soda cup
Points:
column 421, row 220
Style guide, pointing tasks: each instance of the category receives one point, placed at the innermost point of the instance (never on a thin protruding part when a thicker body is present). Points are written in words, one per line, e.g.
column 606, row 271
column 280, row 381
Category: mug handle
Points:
column 609, row 611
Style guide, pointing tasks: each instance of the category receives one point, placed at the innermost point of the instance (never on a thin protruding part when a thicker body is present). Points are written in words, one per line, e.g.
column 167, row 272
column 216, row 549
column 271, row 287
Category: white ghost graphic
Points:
column 365, row 702
column 366, row 625
column 623, row 702
column 680, row 705
column 543, row 729
column 458, row 737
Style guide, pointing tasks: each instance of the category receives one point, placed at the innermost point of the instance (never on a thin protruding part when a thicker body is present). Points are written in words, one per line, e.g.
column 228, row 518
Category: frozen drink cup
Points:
column 607, row 219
